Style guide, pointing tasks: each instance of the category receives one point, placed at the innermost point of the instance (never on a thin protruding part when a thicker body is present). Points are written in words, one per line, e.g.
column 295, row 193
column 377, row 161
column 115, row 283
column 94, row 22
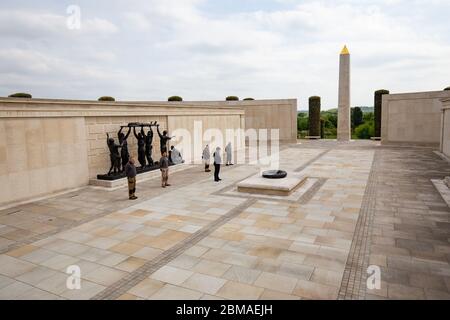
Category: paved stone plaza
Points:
column 363, row 204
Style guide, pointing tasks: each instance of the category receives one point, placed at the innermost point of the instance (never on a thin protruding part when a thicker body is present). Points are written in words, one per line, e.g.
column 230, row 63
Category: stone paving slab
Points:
column 198, row 240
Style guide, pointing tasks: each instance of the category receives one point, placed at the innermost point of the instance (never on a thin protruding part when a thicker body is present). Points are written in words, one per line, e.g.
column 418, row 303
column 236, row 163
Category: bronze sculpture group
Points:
column 119, row 154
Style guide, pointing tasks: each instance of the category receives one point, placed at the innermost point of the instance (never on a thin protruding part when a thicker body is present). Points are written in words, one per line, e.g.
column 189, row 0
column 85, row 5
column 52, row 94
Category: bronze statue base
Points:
column 122, row 175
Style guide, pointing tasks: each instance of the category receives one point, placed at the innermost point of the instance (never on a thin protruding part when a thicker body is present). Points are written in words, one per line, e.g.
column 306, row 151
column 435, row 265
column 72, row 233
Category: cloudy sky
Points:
column 209, row 49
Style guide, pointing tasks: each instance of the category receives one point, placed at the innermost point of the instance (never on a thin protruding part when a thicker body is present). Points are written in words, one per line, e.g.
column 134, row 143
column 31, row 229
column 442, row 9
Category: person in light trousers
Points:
column 164, row 167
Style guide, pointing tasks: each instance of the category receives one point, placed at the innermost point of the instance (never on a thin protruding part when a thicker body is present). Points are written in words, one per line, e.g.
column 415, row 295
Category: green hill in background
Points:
column 364, row 109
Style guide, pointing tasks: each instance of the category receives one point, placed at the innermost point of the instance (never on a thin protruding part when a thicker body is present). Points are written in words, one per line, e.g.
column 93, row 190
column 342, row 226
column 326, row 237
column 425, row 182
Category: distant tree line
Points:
column 363, row 125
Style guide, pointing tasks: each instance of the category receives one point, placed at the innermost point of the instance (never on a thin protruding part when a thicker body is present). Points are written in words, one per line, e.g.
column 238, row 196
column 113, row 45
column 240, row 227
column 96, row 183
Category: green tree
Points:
column 302, row 123
column 369, row 117
column 365, row 131
column 357, row 117
column 331, row 117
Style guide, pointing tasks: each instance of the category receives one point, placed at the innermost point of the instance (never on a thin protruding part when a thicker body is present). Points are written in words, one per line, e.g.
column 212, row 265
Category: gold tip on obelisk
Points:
column 345, row 50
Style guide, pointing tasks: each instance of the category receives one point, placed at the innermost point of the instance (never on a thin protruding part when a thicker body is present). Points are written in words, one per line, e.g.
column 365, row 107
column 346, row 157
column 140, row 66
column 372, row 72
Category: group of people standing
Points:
column 166, row 159
column 145, row 156
column 217, row 156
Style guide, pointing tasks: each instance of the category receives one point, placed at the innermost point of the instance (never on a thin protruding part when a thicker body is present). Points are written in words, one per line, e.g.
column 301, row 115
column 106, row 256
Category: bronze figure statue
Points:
column 148, row 145
column 164, row 139
column 124, row 143
column 141, row 146
column 114, row 155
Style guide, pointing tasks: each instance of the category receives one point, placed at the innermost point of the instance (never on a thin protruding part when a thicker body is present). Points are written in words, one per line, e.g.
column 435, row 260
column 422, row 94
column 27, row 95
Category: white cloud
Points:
column 159, row 48
column 32, row 25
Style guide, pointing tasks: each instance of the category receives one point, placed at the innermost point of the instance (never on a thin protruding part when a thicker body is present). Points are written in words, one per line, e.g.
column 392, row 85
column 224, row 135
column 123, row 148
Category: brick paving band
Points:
column 310, row 162
column 128, row 282
column 65, row 227
column 123, row 285
column 353, row 285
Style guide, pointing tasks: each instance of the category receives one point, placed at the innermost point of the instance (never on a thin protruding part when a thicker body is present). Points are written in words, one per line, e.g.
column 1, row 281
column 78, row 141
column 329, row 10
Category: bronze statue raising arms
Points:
column 141, row 145
column 164, row 139
column 124, row 143
column 114, row 154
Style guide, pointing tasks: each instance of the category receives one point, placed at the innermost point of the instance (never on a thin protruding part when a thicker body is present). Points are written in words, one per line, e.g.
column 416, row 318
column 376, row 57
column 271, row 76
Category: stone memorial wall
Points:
column 412, row 118
column 445, row 132
column 50, row 146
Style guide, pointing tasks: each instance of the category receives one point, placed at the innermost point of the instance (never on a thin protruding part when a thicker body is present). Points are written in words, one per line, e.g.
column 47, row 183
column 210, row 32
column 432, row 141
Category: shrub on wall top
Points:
column 106, row 99
column 21, row 95
column 249, row 99
column 382, row 92
column 232, row 98
column 175, row 98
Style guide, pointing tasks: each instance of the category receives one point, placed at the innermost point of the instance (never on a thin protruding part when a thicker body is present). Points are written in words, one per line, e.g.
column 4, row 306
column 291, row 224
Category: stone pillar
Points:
column 344, row 125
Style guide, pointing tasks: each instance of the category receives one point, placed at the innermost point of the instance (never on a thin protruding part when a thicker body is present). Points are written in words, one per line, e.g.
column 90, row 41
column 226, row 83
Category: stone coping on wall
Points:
column 20, row 108
column 417, row 95
column 445, row 103
column 23, row 108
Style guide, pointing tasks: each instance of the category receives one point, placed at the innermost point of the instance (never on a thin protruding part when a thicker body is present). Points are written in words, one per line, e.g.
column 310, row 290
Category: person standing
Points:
column 229, row 152
column 176, row 157
column 164, row 167
column 217, row 163
column 206, row 156
column 130, row 170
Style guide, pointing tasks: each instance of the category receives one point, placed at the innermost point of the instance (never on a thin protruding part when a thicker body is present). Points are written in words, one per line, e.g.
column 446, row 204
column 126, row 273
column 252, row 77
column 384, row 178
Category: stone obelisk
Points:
column 344, row 126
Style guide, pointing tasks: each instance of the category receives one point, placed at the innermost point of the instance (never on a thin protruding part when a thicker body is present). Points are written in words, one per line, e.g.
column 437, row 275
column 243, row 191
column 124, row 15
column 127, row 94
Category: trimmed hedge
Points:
column 249, row 99
column 175, row 99
column 378, row 100
column 314, row 116
column 322, row 128
column 21, row 95
column 232, row 98
column 110, row 99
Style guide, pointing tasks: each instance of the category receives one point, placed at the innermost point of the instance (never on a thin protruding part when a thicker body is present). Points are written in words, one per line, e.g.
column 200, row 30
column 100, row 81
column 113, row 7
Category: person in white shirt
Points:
column 176, row 156
column 217, row 163
column 206, row 156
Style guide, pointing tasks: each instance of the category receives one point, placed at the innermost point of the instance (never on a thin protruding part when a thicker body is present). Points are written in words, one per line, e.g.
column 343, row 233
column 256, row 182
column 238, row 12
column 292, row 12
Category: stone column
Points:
column 344, row 125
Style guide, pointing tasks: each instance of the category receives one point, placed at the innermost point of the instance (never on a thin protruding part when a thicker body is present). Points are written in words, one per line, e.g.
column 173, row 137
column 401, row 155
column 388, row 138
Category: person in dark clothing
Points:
column 141, row 146
column 170, row 156
column 130, row 170
column 164, row 167
column 124, row 143
column 217, row 163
